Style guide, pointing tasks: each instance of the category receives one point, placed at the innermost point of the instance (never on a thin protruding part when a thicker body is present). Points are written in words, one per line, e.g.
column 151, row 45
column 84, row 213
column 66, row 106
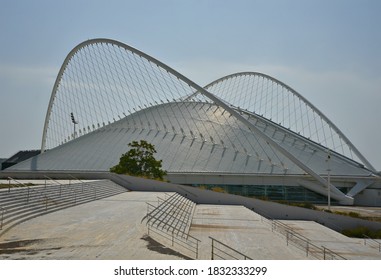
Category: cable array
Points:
column 105, row 84
column 268, row 98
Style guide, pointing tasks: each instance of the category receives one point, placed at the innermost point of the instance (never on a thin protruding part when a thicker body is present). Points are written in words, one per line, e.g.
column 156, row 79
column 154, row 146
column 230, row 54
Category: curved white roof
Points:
column 224, row 146
column 108, row 94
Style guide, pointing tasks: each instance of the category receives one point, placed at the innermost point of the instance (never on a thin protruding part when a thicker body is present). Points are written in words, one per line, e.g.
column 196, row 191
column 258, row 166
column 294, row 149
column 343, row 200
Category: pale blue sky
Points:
column 329, row 51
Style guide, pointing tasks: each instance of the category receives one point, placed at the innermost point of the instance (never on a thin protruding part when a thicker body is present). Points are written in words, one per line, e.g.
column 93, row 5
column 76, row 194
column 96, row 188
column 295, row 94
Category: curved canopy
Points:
column 108, row 94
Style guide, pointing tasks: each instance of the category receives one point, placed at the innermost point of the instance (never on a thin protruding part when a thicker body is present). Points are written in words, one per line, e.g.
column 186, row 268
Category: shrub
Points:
column 139, row 161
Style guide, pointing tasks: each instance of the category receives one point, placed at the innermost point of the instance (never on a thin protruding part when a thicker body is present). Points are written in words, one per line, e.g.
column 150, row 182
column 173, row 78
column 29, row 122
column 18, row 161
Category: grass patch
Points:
column 299, row 204
column 350, row 214
column 359, row 232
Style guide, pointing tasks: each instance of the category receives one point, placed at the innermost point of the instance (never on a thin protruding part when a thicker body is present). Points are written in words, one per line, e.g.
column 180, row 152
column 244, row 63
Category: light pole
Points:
column 74, row 122
column 329, row 179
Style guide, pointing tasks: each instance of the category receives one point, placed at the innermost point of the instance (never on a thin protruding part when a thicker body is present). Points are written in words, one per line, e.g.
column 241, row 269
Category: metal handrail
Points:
column 174, row 217
column 213, row 254
column 191, row 243
column 61, row 185
column 58, row 183
column 157, row 208
column 373, row 241
column 169, row 226
column 170, row 232
column 86, row 184
column 181, row 212
column 302, row 242
column 22, row 184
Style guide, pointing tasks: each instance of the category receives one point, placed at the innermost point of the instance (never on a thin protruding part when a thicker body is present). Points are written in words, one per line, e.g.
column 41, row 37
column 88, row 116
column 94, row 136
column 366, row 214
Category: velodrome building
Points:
column 247, row 133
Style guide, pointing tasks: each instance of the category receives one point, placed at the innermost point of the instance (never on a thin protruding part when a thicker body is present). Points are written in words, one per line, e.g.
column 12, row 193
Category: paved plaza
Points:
column 112, row 228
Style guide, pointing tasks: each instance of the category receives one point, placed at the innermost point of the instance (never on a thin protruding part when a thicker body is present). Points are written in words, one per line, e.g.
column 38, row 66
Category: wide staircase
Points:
column 20, row 202
column 169, row 222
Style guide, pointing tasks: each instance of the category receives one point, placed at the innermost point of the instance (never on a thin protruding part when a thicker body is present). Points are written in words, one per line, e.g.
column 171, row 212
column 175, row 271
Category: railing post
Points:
column 196, row 249
column 212, row 257
column 27, row 200
column 287, row 236
column 323, row 252
column 2, row 217
column 307, row 248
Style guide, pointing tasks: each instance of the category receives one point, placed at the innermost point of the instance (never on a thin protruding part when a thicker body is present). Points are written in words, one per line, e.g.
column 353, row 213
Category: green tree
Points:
column 140, row 161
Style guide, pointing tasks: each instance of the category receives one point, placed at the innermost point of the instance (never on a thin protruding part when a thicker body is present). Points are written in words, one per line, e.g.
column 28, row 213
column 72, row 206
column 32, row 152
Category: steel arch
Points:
column 298, row 95
column 218, row 101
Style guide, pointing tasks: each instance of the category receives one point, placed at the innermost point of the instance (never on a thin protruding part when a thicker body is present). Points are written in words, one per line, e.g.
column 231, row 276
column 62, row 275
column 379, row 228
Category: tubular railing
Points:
column 40, row 199
column 85, row 184
column 302, row 242
column 56, row 182
column 70, row 188
column 183, row 213
column 42, row 194
column 191, row 244
column 372, row 241
column 63, row 186
column 159, row 209
column 23, row 185
column 225, row 252
column 167, row 221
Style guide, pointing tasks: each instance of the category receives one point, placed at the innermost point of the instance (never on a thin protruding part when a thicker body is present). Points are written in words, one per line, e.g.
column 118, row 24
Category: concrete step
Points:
column 43, row 200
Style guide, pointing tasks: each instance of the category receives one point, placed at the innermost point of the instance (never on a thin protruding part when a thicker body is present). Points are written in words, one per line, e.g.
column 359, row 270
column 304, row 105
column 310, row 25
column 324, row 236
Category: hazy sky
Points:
column 329, row 51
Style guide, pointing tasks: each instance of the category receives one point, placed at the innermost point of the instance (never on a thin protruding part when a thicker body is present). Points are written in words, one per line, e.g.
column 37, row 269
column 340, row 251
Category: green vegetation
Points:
column 351, row 214
column 359, row 232
column 218, row 189
column 307, row 205
column 140, row 161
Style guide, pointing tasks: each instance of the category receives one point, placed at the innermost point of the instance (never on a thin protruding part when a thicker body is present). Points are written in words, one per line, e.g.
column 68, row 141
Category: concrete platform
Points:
column 111, row 229
column 241, row 229
column 106, row 229
column 350, row 248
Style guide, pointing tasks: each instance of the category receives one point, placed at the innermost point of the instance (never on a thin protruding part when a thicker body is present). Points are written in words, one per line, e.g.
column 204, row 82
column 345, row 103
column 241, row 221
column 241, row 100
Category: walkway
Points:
column 111, row 228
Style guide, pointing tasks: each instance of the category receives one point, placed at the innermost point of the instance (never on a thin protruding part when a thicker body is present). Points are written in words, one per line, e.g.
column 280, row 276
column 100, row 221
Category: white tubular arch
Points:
column 72, row 54
column 170, row 86
column 217, row 84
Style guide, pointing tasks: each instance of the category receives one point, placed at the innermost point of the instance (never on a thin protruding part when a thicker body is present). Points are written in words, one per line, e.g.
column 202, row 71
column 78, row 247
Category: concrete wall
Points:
column 369, row 197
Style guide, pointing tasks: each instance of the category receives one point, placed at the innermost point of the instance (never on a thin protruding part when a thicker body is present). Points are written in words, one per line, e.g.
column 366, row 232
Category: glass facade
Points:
column 270, row 192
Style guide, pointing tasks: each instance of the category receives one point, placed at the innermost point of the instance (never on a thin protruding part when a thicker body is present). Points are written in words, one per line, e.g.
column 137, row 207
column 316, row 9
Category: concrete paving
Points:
column 349, row 248
column 111, row 228
column 242, row 230
column 105, row 229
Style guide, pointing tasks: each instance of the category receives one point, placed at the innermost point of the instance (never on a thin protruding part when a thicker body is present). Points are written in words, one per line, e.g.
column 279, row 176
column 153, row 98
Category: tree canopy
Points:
column 140, row 161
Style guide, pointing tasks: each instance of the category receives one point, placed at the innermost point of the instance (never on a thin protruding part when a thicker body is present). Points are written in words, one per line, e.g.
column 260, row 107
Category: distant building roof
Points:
column 18, row 157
